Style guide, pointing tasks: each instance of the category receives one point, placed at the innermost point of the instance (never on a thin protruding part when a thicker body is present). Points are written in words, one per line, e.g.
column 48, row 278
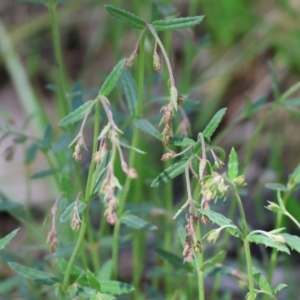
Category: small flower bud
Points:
column 157, row 65
column 52, row 240
column 167, row 156
column 240, row 181
column 132, row 173
column 167, row 133
column 180, row 100
column 9, row 153
column 130, row 60
column 279, row 239
column 174, row 96
column 77, row 152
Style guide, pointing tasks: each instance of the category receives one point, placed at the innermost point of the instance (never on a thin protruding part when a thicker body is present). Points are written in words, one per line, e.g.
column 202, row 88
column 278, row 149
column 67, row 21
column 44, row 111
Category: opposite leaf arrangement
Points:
column 201, row 163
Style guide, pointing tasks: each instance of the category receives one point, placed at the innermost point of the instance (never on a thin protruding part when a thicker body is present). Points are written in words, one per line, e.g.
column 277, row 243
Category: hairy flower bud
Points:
column 130, row 60
column 157, row 65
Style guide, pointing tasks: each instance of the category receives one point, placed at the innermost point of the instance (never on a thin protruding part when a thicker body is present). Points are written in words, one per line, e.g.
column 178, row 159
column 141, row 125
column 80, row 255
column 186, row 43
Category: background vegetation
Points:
column 244, row 56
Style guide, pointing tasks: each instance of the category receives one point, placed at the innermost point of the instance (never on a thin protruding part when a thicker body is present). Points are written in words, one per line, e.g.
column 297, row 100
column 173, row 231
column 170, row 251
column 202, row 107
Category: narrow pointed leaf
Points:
column 62, row 143
column 181, row 141
column 66, row 215
column 217, row 259
column 214, row 123
column 92, row 281
column 46, row 141
column 130, row 90
column 177, row 23
column 233, row 165
column 77, row 114
column 136, row 222
column 221, row 221
column 279, row 287
column 261, row 281
column 41, row 174
column 112, row 78
column 175, row 260
column 8, row 238
column 34, row 274
column 292, row 240
column 115, row 287
column 268, row 242
column 147, row 127
column 276, row 187
column 126, row 17
column 105, row 271
column 171, row 172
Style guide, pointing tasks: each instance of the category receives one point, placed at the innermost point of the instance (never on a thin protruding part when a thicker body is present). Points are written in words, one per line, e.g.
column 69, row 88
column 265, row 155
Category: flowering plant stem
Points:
column 273, row 259
column 87, row 199
column 132, row 159
column 62, row 100
column 246, row 242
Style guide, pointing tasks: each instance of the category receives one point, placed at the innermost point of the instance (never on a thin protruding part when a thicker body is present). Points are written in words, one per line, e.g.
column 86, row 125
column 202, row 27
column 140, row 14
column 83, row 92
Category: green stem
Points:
column 201, row 293
column 278, row 224
column 255, row 136
column 189, row 47
column 62, row 102
column 87, row 199
column 245, row 240
column 132, row 160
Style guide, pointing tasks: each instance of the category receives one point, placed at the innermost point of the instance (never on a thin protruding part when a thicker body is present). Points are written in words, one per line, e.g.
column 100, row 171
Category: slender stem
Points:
column 132, row 160
column 162, row 48
column 87, row 199
column 63, row 103
column 278, row 224
column 246, row 242
column 255, row 136
column 189, row 47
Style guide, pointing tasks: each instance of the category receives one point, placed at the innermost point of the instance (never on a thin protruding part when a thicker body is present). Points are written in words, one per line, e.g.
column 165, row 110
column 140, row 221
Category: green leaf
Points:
column 295, row 176
column 130, row 90
column 30, row 153
column 126, row 17
column 115, row 287
column 217, row 259
column 77, row 95
column 218, row 270
column 261, row 281
column 276, row 187
column 8, row 238
column 34, row 274
column 105, row 271
column 175, row 260
column 100, row 173
column 233, row 165
column 177, row 23
column 292, row 240
column 136, row 222
column 268, row 242
column 63, row 142
column 279, row 287
column 214, row 123
column 171, row 172
column 181, row 141
column 7, row 285
column 41, row 174
column 92, row 281
column 112, row 78
column 221, row 221
column 46, row 141
column 75, row 271
column 77, row 114
column 291, row 102
column 147, row 127
column 67, row 214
